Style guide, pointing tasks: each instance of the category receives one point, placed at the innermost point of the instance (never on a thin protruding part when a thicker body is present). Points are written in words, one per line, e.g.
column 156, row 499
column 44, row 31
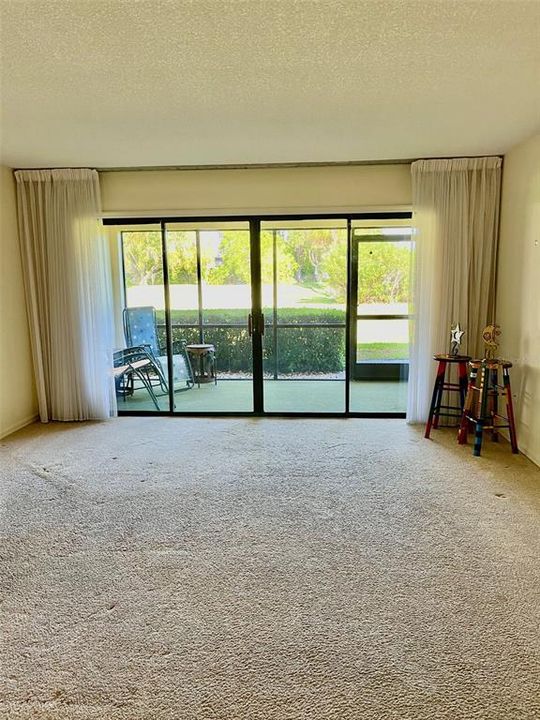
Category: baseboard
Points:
column 531, row 457
column 523, row 450
column 18, row 425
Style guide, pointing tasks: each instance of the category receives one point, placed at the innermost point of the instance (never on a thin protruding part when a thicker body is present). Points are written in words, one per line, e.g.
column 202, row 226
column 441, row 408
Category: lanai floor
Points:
column 317, row 396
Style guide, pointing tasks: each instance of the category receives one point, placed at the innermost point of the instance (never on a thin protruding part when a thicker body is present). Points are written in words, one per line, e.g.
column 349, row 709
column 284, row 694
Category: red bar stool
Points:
column 437, row 409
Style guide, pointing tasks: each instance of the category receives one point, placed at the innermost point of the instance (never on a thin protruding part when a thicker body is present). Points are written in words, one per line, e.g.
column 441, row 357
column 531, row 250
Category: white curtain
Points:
column 455, row 217
column 66, row 266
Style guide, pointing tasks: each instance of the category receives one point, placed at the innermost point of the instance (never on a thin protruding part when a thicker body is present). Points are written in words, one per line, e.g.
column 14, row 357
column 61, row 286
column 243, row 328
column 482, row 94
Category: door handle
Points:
column 257, row 327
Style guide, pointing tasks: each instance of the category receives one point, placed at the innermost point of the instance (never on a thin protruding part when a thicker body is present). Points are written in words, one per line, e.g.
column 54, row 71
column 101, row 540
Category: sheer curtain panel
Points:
column 455, row 216
column 68, row 290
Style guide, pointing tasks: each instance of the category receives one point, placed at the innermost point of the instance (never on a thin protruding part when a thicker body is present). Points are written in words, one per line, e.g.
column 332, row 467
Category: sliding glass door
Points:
column 182, row 310
column 304, row 289
column 258, row 315
column 140, row 358
column 379, row 330
column 210, row 304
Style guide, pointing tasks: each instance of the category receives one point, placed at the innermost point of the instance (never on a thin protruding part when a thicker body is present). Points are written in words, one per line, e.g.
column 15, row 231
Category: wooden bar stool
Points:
column 481, row 404
column 437, row 409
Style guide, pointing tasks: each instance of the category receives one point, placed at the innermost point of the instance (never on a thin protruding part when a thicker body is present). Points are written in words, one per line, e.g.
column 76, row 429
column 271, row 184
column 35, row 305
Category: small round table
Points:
column 203, row 358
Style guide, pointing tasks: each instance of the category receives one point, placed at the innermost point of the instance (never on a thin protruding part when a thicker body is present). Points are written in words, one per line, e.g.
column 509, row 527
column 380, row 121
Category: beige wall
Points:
column 265, row 190
column 518, row 296
column 18, row 405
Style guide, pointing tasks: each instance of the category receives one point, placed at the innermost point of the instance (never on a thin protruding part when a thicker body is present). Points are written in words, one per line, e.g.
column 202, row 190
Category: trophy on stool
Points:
column 442, row 383
column 483, row 392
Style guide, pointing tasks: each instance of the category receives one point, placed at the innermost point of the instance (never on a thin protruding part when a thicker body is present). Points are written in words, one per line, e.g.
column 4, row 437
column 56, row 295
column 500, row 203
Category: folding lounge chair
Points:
column 134, row 363
column 140, row 330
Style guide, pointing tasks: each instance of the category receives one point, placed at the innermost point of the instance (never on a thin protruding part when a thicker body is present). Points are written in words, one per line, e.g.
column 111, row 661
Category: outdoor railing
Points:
column 289, row 349
column 320, row 350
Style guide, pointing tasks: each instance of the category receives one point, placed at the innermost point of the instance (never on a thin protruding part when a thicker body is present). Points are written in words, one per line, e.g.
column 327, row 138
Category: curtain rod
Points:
column 255, row 166
column 262, row 166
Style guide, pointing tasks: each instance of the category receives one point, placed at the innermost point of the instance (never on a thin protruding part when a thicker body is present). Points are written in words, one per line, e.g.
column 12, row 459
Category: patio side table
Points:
column 203, row 360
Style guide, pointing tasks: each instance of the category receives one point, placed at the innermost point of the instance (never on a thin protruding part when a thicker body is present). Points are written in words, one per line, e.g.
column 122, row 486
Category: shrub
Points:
column 299, row 349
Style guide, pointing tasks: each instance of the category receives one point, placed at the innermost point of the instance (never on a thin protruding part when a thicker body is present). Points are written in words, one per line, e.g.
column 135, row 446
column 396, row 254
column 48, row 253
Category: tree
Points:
column 309, row 248
column 234, row 267
column 182, row 257
column 142, row 258
column 383, row 272
column 334, row 268
column 307, row 255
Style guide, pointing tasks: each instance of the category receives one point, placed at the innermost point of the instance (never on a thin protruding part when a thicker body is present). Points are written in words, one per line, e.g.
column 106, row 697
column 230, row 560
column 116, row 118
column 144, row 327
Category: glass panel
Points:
column 379, row 376
column 380, row 359
column 382, row 341
column 305, row 353
column 210, row 290
column 378, row 396
column 304, row 285
column 184, row 304
column 383, row 277
column 140, row 356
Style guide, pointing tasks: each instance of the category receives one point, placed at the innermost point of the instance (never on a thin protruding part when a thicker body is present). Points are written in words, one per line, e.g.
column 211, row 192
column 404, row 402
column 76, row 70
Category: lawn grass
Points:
column 382, row 351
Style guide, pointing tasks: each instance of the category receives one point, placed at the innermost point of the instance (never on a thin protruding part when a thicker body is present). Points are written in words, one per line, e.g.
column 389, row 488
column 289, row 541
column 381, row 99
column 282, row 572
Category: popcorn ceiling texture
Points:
column 187, row 569
column 176, row 82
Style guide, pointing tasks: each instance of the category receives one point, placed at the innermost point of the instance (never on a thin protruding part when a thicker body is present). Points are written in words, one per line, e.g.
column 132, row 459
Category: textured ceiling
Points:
column 111, row 83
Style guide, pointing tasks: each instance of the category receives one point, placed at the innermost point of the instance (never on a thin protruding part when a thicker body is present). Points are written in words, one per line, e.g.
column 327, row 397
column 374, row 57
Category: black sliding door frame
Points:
column 256, row 322
column 168, row 324
column 355, row 316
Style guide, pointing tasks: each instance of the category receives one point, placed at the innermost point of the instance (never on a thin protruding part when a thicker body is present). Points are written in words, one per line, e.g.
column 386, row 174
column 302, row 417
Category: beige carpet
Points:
column 171, row 569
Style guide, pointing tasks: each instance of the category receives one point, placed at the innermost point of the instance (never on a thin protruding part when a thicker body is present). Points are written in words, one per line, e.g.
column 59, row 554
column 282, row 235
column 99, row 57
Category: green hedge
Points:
column 299, row 350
